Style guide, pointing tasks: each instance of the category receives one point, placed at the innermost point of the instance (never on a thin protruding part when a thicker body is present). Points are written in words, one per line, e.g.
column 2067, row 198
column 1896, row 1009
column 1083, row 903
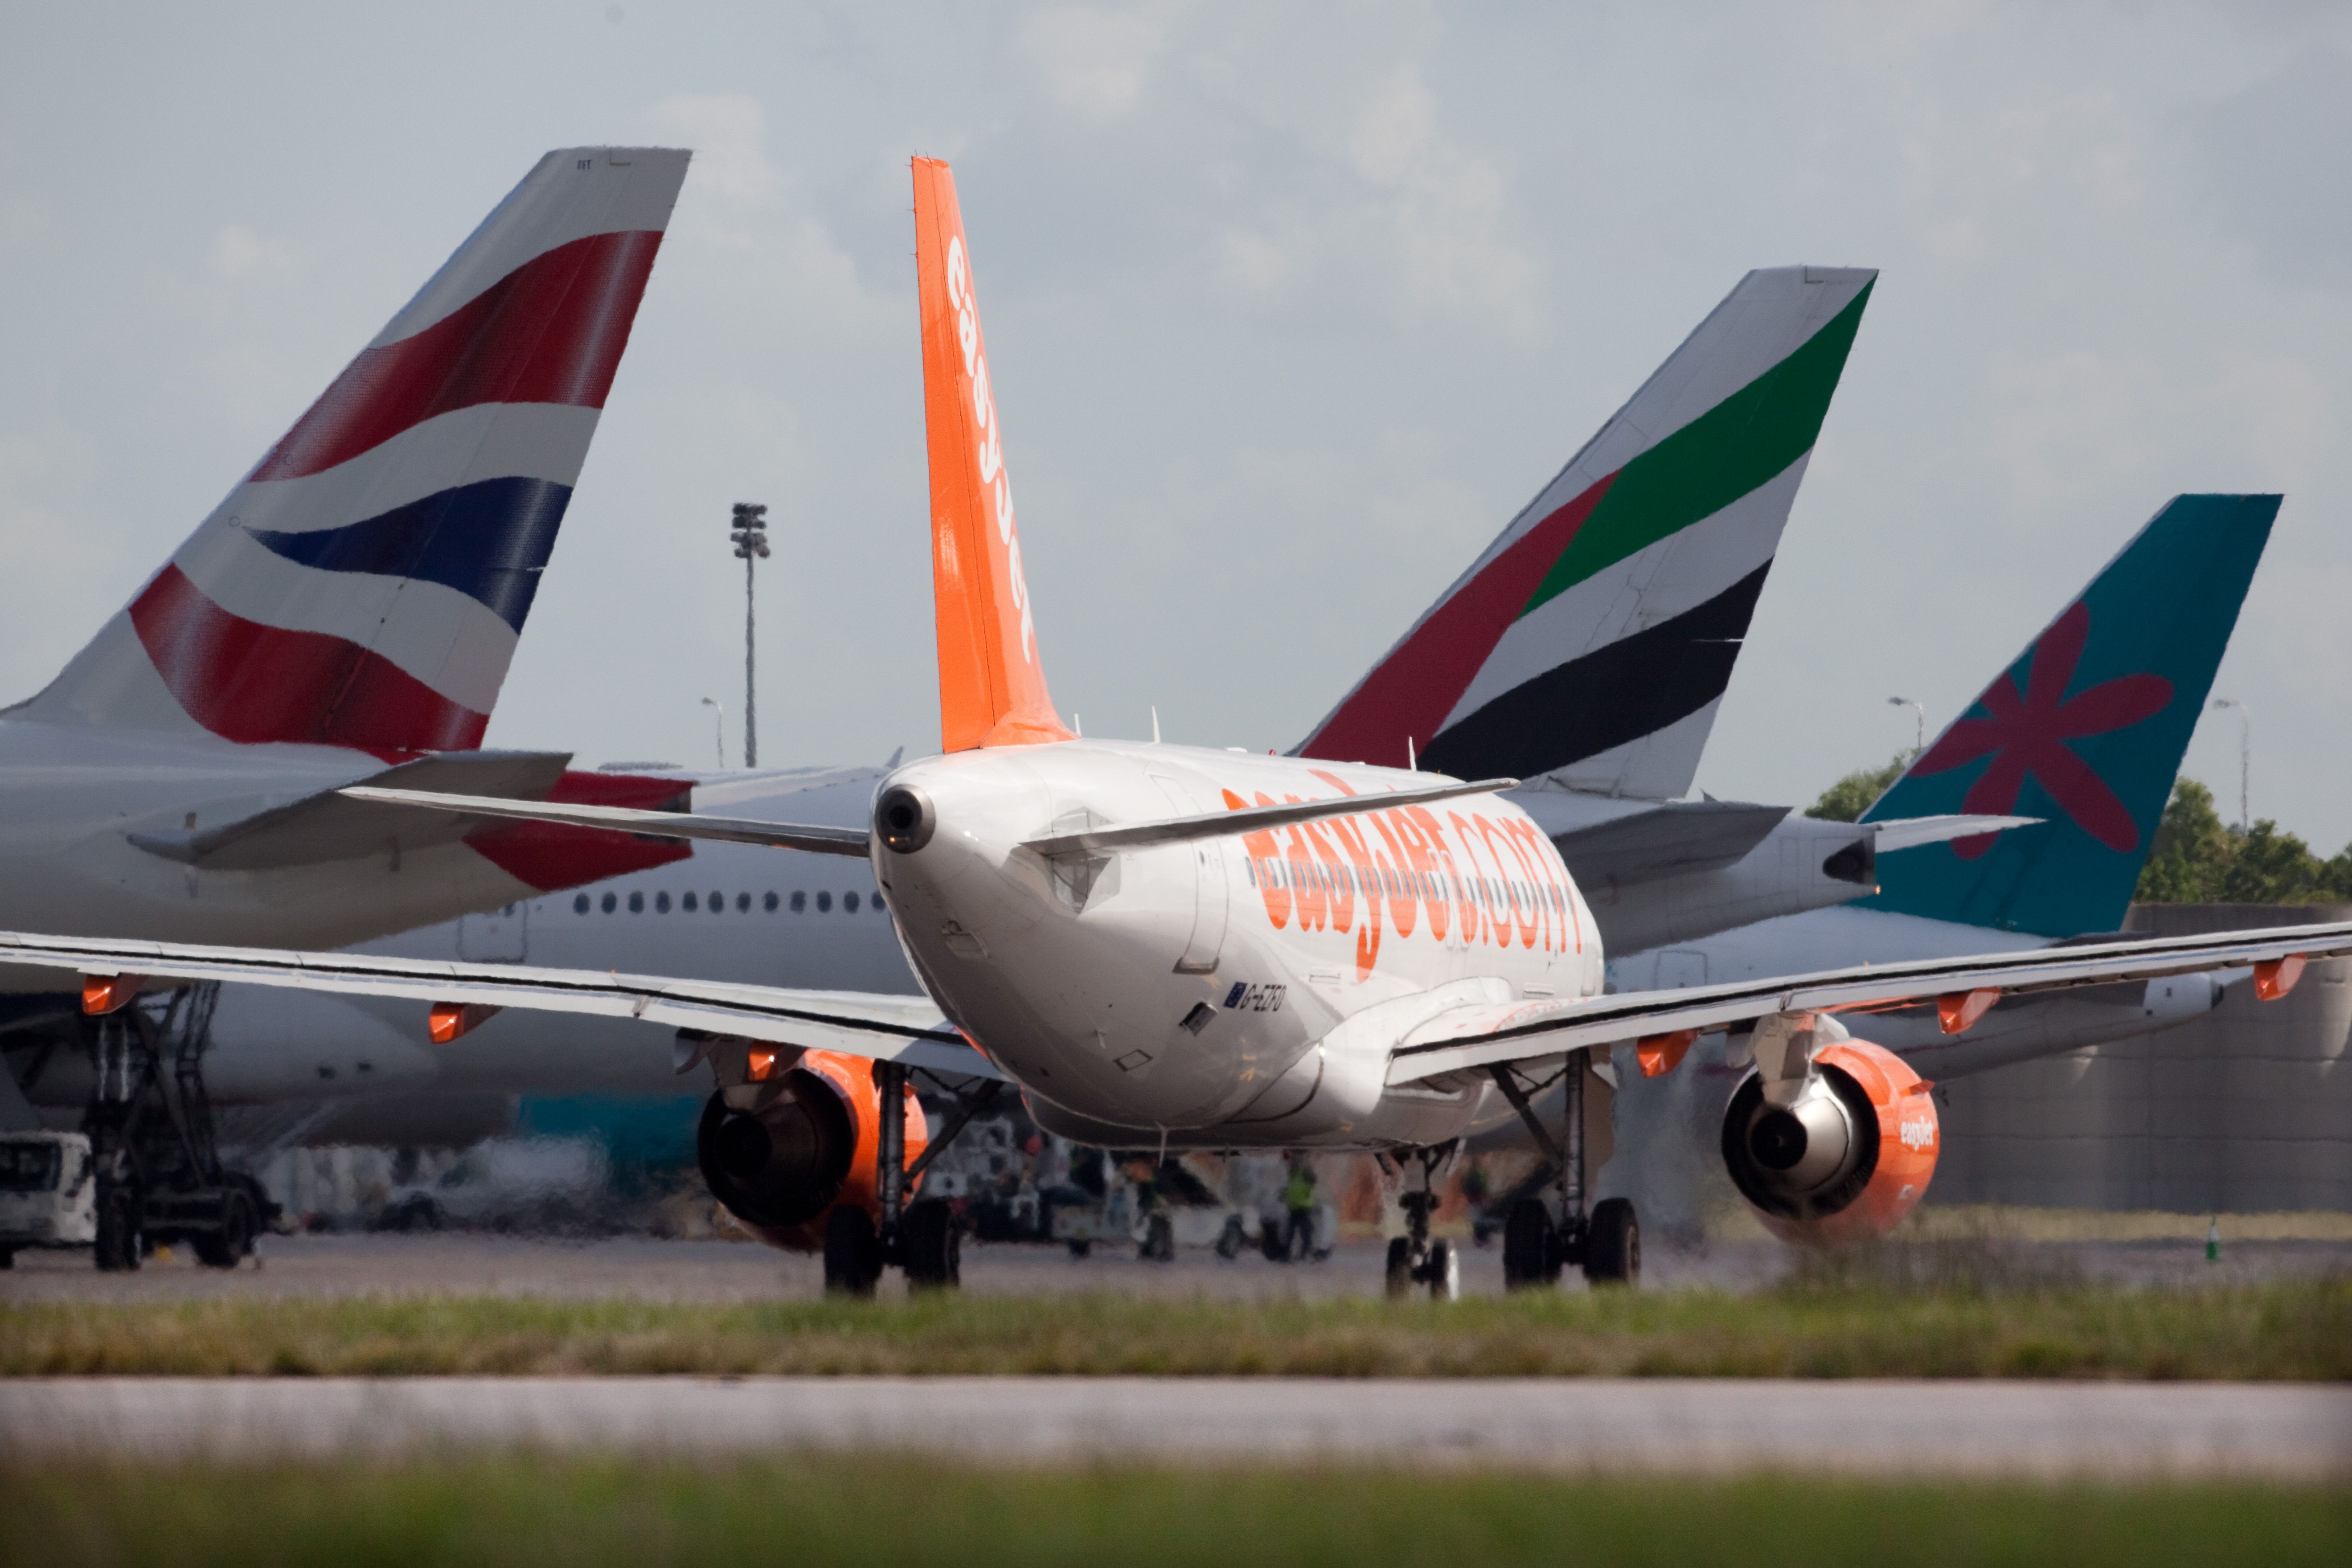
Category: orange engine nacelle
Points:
column 1846, row 1158
column 786, row 1149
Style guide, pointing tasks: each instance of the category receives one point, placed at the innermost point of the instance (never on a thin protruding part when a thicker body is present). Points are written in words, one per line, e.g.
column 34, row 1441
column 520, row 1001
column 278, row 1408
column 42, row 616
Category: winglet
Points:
column 991, row 686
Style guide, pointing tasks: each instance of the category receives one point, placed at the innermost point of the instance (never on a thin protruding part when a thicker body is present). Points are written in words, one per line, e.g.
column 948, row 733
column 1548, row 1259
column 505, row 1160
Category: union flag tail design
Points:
column 1593, row 640
column 366, row 584
column 2085, row 729
column 991, row 687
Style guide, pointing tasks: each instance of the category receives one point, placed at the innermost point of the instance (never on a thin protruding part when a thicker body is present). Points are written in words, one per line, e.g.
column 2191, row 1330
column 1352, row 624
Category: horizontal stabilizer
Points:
column 1249, row 819
column 849, row 841
column 905, row 1029
column 1910, row 832
column 1674, row 838
column 334, row 824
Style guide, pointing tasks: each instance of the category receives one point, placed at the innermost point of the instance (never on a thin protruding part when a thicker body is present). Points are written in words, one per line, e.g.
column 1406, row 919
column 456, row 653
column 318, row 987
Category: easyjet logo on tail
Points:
column 991, row 681
column 996, row 486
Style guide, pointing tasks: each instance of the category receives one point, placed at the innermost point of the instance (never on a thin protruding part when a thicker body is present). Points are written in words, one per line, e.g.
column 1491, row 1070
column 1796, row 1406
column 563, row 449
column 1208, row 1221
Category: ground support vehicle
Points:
column 48, row 1196
column 158, row 1173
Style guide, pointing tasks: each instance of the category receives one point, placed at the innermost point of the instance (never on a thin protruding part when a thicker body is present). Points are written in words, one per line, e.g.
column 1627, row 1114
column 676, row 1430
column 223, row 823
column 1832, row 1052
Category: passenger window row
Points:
column 717, row 903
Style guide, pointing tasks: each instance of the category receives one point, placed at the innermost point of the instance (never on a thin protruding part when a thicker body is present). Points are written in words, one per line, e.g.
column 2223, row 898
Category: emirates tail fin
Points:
column 991, row 686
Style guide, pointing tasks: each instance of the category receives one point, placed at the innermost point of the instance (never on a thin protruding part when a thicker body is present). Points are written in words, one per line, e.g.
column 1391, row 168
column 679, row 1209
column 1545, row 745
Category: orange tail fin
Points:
column 991, row 686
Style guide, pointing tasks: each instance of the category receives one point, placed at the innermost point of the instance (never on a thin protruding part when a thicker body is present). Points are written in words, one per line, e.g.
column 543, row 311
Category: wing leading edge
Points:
column 1487, row 1034
column 905, row 1029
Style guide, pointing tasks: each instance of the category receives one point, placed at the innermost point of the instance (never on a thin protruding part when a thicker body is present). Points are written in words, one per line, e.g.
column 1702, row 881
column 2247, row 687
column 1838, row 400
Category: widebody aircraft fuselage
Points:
column 73, row 801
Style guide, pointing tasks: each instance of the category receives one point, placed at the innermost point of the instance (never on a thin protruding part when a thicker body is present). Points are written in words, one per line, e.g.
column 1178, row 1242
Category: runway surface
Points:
column 1931, row 1429
column 645, row 1270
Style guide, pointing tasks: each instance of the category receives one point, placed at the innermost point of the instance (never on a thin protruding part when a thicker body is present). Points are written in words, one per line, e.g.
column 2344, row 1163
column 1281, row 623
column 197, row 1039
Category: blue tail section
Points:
column 2085, row 731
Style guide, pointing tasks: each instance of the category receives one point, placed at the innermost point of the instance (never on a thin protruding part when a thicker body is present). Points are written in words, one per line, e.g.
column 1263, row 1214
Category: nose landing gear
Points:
column 1413, row 1259
column 1606, row 1243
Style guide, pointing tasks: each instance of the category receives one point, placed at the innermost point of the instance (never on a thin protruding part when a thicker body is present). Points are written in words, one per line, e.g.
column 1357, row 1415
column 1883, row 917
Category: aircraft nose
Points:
column 904, row 818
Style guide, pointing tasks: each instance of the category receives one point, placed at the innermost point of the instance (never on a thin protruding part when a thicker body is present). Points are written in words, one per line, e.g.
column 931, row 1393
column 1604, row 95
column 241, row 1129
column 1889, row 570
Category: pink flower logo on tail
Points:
column 2028, row 732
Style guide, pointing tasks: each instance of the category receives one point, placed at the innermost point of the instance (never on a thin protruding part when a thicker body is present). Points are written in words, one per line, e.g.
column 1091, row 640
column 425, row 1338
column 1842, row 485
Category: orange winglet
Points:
column 451, row 1019
column 2273, row 980
column 104, row 994
column 1955, row 1010
column 1661, row 1053
column 991, row 686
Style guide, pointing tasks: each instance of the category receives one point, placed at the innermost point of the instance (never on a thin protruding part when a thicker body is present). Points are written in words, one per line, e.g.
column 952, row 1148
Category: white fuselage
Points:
column 1228, row 991
column 71, row 796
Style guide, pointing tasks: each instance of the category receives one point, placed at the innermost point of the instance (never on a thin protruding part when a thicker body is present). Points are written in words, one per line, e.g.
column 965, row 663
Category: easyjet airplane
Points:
column 349, row 612
column 1204, row 949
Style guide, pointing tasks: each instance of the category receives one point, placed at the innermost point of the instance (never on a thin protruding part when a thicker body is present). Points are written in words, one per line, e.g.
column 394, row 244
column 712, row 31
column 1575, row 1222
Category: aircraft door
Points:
column 1208, row 937
column 495, row 936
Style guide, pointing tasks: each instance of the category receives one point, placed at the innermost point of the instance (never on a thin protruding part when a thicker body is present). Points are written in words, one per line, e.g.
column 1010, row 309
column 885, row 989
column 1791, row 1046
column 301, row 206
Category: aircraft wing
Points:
column 1485, row 1035
column 906, row 1029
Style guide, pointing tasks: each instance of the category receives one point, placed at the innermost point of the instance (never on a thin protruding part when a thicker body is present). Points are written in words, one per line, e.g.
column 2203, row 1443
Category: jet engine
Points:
column 794, row 1139
column 1838, row 1155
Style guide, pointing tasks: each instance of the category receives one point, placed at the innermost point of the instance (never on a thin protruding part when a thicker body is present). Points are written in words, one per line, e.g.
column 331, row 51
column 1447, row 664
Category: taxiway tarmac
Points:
column 1944, row 1430
column 642, row 1269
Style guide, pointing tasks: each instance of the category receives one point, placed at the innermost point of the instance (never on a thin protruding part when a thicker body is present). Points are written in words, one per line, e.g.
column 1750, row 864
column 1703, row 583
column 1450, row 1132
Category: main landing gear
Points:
column 920, row 1238
column 1606, row 1243
column 1413, row 1259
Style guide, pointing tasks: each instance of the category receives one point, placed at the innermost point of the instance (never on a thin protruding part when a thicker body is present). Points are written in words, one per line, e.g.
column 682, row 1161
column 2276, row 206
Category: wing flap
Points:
column 1484, row 1035
column 907, row 1029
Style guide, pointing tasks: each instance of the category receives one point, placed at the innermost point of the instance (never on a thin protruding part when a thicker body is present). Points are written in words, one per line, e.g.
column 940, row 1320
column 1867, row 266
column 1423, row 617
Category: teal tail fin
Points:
column 2085, row 731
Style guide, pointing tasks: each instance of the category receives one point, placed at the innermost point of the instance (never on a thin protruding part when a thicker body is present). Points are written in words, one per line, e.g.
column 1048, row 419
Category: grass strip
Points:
column 816, row 1510
column 2298, row 1331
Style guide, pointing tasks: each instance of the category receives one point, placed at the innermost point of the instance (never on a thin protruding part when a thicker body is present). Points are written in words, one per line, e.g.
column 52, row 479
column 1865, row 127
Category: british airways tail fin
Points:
column 991, row 684
column 365, row 585
column 2085, row 729
column 1593, row 640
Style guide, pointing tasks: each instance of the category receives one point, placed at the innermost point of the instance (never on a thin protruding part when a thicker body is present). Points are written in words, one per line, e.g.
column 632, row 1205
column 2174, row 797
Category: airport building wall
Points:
column 2247, row 1110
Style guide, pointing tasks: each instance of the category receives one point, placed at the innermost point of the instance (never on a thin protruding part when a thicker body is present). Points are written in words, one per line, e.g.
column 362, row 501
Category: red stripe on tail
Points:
column 549, row 331
column 1411, row 690
column 252, row 684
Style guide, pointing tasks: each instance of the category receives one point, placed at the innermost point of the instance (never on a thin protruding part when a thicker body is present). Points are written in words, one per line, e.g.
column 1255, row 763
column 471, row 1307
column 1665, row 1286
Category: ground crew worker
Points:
column 1298, row 1197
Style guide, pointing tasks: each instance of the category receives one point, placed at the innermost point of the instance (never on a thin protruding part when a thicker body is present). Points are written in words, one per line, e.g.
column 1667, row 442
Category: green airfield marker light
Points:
column 2213, row 1241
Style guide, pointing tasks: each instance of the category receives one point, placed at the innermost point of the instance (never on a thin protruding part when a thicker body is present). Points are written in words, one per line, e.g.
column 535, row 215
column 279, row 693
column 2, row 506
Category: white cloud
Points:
column 238, row 253
column 1093, row 62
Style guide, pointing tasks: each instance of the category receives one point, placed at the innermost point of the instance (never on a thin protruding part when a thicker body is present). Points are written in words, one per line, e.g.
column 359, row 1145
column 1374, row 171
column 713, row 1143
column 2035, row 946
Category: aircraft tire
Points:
column 226, row 1248
column 1400, row 1268
column 934, row 1248
column 852, row 1263
column 1445, row 1272
column 119, row 1242
column 1527, row 1247
column 1612, row 1248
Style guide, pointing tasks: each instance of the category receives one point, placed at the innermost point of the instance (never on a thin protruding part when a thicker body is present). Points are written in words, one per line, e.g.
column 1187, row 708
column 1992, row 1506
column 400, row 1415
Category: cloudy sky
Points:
column 1289, row 309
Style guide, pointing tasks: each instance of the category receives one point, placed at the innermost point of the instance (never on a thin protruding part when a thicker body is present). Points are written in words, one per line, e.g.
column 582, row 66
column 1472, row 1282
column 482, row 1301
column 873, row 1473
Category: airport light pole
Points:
column 1919, row 708
column 719, row 711
column 750, row 533
column 2246, row 759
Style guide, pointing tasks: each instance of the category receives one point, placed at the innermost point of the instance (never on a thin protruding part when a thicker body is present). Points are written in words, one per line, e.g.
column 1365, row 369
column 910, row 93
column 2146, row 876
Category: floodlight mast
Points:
column 749, row 530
